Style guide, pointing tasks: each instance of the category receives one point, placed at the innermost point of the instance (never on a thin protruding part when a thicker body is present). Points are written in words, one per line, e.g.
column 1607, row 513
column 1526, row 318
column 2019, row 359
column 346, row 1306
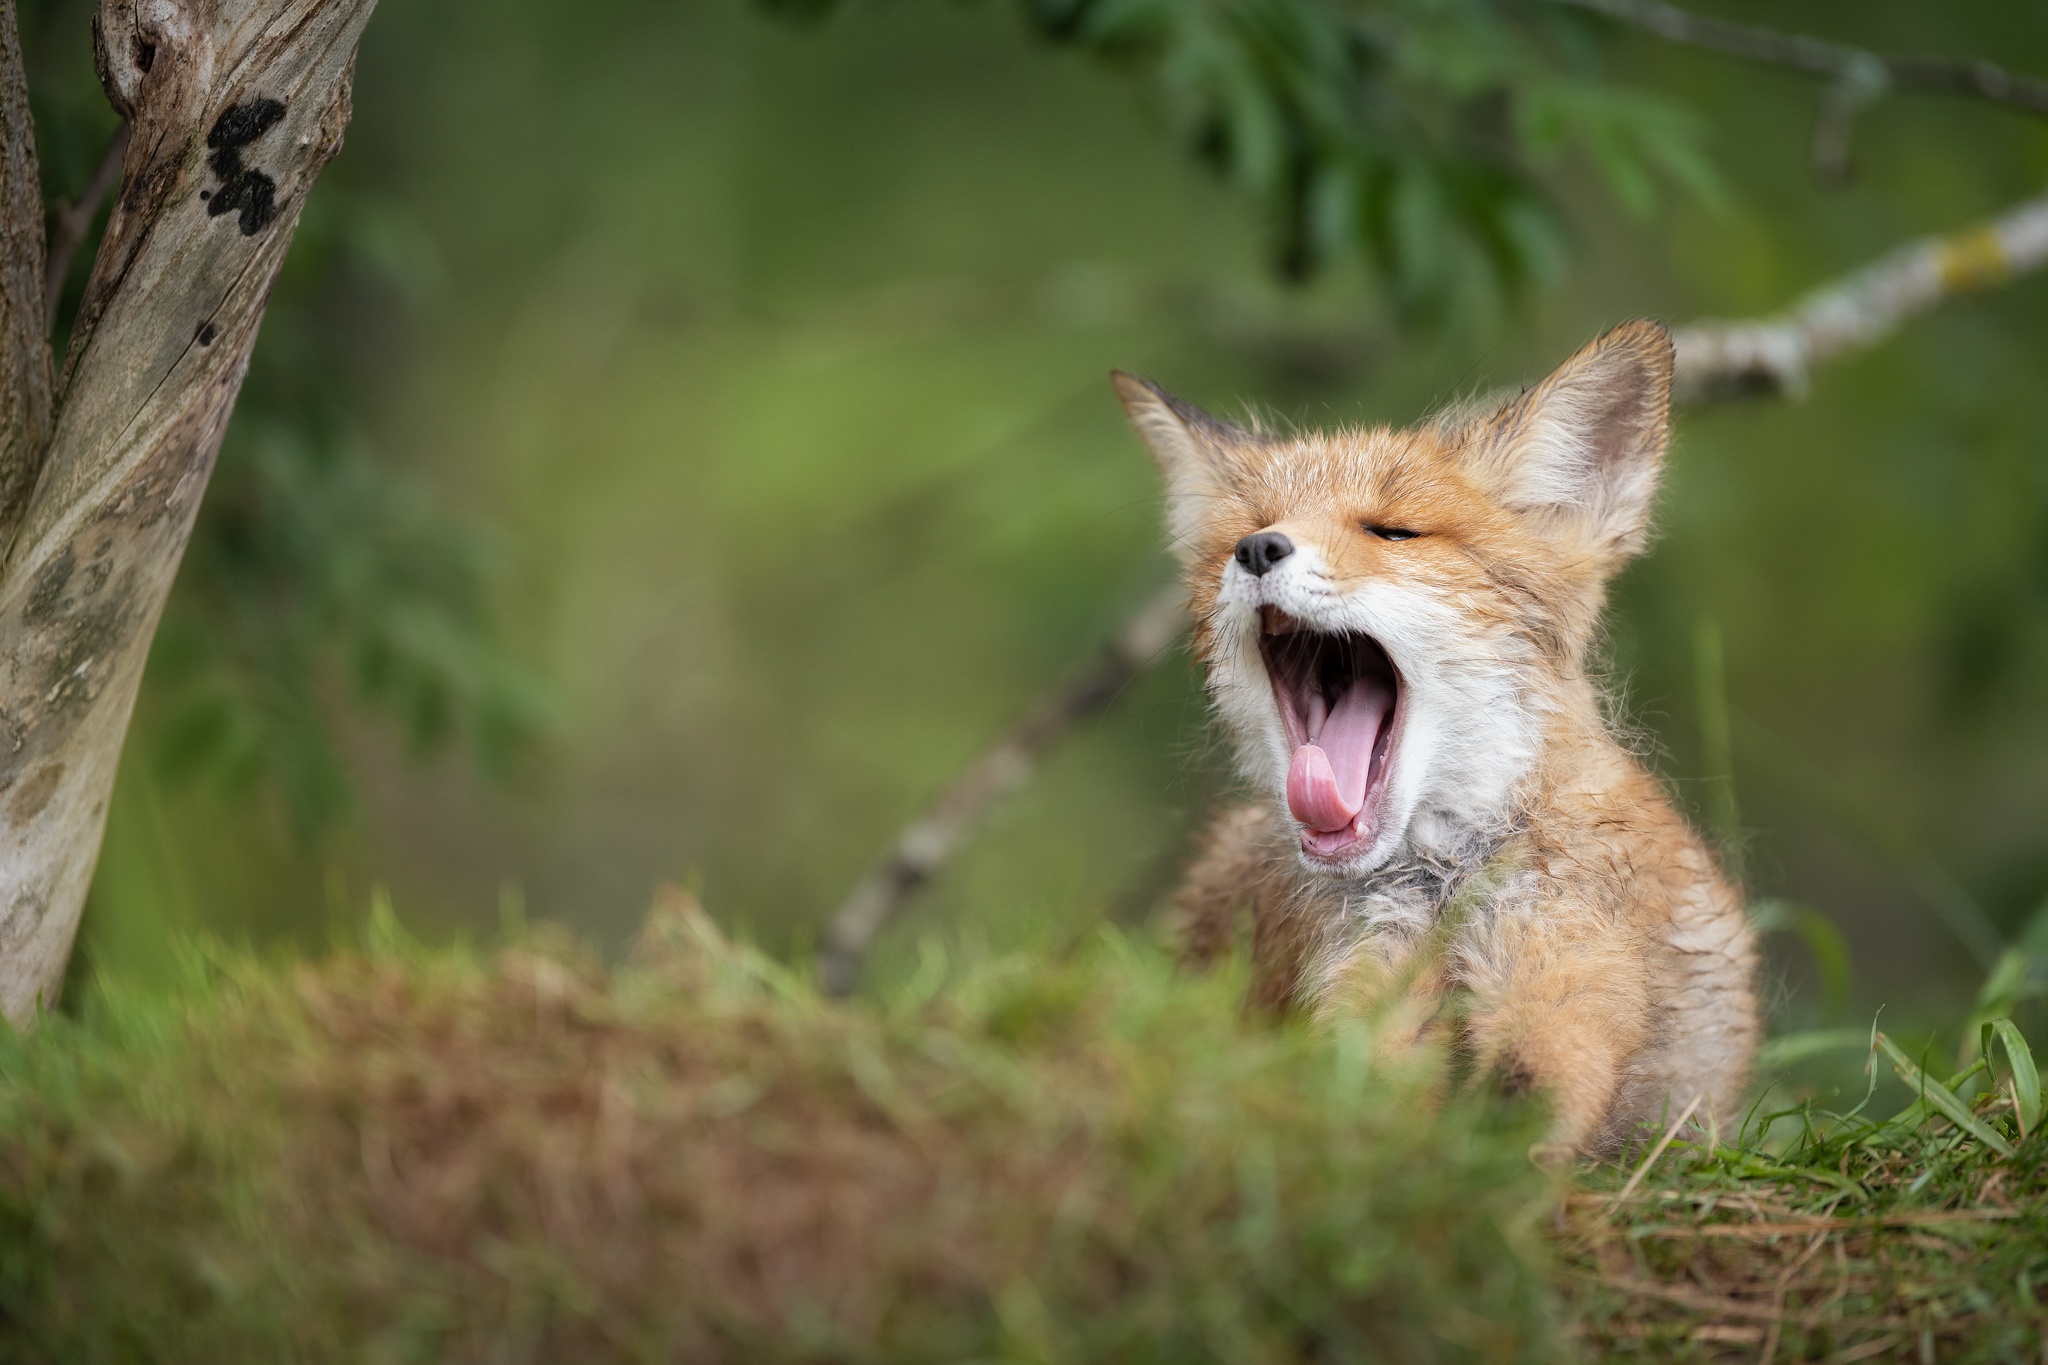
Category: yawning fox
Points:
column 1395, row 626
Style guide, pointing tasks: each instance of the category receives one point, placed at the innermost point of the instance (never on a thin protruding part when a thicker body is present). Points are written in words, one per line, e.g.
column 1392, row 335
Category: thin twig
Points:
column 1824, row 57
column 1855, row 75
column 72, row 220
column 1843, row 101
column 923, row 847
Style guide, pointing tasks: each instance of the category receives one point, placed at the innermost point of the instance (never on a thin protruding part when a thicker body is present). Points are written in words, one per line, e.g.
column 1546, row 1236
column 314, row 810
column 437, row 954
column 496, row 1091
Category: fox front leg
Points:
column 1561, row 1008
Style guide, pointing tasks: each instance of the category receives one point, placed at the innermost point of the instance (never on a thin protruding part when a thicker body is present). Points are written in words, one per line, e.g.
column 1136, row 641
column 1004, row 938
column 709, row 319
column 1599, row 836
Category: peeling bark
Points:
column 234, row 106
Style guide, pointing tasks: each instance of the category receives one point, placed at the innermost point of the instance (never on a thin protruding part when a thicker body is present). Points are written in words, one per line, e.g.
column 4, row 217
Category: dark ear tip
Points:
column 1144, row 401
column 1132, row 389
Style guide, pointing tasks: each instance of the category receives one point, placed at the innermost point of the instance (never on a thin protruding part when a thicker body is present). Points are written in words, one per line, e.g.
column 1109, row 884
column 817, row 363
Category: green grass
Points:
column 404, row 1153
column 1907, row 1237
column 1919, row 1234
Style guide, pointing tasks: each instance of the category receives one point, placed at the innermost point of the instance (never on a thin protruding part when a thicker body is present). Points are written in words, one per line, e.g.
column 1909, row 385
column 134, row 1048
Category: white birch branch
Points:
column 1778, row 354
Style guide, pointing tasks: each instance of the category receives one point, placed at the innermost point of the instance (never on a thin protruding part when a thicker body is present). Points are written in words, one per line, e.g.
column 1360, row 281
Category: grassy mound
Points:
column 406, row 1156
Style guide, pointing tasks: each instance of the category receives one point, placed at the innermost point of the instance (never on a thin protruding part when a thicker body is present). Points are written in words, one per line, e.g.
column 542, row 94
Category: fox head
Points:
column 1393, row 622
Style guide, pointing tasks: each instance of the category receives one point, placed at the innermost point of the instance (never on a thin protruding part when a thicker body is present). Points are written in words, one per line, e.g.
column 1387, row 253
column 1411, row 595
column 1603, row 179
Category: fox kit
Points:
column 1395, row 627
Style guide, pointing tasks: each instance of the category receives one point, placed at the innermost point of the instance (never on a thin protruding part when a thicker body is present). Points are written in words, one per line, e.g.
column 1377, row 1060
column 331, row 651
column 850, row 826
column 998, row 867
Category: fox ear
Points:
column 1582, row 450
column 1195, row 452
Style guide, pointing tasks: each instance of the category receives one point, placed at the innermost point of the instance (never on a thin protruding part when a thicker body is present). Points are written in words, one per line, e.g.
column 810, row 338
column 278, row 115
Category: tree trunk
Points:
column 24, row 356
column 234, row 106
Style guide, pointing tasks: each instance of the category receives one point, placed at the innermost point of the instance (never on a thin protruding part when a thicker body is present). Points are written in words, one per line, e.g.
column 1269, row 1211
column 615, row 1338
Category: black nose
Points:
column 1261, row 551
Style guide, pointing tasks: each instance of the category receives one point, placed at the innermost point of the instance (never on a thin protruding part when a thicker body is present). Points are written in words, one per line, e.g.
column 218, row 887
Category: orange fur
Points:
column 1604, row 959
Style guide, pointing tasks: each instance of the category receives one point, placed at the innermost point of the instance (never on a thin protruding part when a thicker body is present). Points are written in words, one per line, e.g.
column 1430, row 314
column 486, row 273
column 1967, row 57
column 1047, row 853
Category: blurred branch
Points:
column 1823, row 57
column 1715, row 360
column 930, row 839
column 1856, row 76
column 1776, row 355
column 71, row 220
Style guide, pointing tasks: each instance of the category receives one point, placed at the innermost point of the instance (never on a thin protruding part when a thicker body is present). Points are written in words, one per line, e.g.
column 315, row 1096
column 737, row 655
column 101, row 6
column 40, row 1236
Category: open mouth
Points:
column 1339, row 698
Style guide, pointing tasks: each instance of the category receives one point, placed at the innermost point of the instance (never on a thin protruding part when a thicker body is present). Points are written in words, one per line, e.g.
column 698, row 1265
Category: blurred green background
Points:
column 737, row 391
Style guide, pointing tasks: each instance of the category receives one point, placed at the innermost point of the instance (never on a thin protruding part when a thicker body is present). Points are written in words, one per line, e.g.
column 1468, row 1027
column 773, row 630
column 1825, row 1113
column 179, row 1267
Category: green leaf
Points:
column 2004, row 987
column 2026, row 1077
column 2021, row 973
column 1940, row 1098
column 1795, row 1047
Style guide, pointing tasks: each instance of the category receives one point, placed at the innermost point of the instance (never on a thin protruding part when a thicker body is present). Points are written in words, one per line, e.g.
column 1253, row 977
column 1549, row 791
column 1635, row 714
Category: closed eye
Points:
column 1389, row 532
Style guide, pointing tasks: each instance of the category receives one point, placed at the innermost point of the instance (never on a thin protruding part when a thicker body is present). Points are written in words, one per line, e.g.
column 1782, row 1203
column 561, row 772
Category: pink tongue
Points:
column 1312, row 792
column 1326, row 780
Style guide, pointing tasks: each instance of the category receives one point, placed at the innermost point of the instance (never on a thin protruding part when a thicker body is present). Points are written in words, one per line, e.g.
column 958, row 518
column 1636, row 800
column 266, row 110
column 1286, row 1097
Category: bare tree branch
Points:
column 930, row 839
column 1823, row 57
column 71, row 220
column 1843, row 101
column 1777, row 354
column 1714, row 360
column 235, row 105
column 24, row 353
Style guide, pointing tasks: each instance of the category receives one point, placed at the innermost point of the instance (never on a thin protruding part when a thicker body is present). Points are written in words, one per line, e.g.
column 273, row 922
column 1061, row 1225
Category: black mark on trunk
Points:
column 242, row 188
column 243, row 123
